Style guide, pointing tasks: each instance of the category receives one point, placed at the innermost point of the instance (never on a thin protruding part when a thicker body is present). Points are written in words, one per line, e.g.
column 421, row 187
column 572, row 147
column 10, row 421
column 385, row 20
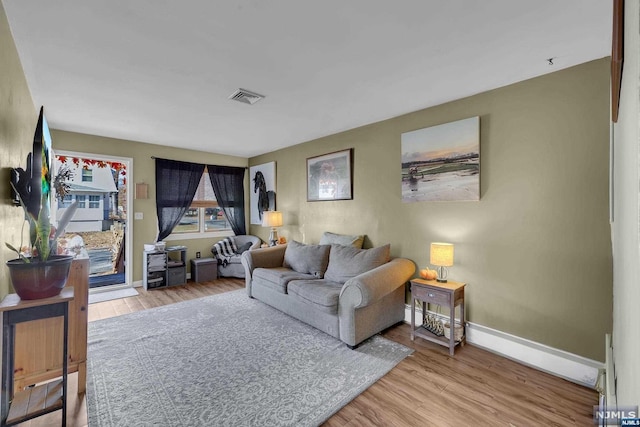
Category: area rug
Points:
column 224, row 360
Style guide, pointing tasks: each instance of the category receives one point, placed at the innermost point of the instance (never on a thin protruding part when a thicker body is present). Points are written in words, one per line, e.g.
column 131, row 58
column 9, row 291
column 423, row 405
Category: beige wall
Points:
column 536, row 249
column 626, row 227
column 18, row 118
column 146, row 230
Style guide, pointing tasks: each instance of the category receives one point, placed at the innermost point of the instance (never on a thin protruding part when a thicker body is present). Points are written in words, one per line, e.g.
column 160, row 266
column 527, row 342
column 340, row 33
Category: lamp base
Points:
column 442, row 274
column 273, row 237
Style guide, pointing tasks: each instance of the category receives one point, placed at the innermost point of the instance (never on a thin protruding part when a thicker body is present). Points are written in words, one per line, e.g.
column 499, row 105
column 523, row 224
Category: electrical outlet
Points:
column 197, row 254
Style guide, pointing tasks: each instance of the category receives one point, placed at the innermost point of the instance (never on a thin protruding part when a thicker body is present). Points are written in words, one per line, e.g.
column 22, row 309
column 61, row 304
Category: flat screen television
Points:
column 35, row 182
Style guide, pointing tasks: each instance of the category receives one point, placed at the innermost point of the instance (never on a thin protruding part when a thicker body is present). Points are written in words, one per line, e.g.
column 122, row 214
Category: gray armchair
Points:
column 232, row 266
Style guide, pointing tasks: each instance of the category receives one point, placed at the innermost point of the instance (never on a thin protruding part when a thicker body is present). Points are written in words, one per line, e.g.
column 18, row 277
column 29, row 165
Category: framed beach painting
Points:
column 442, row 163
column 329, row 177
column 263, row 190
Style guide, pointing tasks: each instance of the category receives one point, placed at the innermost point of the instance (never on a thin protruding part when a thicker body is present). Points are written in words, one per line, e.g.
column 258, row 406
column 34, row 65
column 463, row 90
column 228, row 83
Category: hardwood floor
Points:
column 429, row 388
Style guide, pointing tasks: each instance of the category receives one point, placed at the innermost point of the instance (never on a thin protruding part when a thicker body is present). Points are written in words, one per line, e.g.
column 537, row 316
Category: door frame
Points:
column 128, row 235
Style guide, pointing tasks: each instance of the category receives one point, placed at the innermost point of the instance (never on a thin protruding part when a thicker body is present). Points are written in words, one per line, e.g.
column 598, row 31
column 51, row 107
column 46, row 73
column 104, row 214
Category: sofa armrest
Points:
column 270, row 257
column 367, row 288
column 243, row 239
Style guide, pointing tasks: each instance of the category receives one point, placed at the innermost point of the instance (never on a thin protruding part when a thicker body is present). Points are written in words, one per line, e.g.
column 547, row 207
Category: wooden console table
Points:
column 42, row 399
column 38, row 346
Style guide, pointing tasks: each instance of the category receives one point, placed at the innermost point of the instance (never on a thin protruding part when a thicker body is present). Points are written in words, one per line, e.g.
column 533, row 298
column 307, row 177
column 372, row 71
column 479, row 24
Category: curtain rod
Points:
column 160, row 158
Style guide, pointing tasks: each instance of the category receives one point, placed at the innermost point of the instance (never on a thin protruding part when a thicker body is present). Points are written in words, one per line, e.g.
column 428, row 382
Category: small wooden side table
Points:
column 448, row 294
column 45, row 398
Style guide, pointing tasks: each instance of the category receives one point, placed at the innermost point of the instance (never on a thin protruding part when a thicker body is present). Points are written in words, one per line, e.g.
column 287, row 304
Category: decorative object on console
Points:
column 428, row 274
column 442, row 257
column 38, row 272
column 263, row 196
column 329, row 177
column 272, row 219
column 442, row 163
column 458, row 331
column 432, row 323
column 142, row 191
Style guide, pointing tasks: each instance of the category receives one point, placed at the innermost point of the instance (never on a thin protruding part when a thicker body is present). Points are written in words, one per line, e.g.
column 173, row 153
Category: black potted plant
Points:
column 39, row 272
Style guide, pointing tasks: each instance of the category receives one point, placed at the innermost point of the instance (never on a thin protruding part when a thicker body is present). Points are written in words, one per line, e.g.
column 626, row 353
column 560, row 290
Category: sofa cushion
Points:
column 329, row 238
column 320, row 294
column 277, row 278
column 346, row 262
column 307, row 259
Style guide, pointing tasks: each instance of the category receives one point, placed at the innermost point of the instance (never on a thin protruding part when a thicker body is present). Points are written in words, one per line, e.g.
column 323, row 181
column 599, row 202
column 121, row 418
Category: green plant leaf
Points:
column 43, row 231
column 25, row 259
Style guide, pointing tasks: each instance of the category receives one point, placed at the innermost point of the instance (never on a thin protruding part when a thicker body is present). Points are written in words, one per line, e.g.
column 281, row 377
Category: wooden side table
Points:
column 38, row 344
column 449, row 294
column 45, row 398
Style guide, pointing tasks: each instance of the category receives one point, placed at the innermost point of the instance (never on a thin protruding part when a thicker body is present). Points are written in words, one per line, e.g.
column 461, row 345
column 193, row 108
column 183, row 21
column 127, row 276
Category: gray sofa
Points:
column 347, row 292
column 232, row 266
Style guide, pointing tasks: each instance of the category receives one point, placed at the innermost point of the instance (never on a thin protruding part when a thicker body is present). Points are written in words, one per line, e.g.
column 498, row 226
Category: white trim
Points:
column 610, row 375
column 199, row 235
column 563, row 364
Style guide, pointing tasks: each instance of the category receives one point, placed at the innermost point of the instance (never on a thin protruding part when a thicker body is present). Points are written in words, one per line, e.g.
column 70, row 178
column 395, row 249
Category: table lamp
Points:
column 442, row 257
column 272, row 219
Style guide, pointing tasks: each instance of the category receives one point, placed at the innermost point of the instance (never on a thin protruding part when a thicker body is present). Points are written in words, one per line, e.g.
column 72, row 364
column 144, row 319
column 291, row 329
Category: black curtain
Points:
column 228, row 185
column 176, row 185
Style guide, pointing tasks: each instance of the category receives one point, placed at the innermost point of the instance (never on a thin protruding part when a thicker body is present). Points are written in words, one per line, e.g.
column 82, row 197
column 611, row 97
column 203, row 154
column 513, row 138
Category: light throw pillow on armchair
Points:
column 329, row 238
column 307, row 259
column 346, row 262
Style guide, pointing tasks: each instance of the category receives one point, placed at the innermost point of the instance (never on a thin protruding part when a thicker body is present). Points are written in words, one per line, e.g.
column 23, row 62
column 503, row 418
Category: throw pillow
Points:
column 307, row 259
column 346, row 262
column 243, row 248
column 329, row 238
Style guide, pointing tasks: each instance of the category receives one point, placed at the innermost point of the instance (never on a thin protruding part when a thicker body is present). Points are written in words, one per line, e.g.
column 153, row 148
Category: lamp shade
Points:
column 272, row 219
column 442, row 254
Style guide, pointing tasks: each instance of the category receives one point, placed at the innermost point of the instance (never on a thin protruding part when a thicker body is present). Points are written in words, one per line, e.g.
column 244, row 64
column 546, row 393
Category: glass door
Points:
column 99, row 228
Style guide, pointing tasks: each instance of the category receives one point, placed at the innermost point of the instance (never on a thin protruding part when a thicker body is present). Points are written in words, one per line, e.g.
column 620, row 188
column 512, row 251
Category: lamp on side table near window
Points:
column 272, row 219
column 442, row 257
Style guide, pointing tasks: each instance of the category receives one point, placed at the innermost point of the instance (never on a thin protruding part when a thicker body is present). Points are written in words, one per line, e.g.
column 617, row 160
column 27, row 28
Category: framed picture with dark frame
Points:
column 329, row 176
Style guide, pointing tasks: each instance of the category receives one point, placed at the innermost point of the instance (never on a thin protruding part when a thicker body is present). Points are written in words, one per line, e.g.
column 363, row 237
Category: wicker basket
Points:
column 457, row 335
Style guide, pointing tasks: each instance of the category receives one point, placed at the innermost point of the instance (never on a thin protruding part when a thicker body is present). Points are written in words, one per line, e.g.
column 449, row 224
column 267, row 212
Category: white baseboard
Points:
column 569, row 366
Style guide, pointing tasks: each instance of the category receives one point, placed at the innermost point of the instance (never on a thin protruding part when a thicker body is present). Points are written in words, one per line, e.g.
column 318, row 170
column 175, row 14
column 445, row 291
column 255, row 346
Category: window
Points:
column 204, row 215
column 66, row 202
column 94, row 202
column 82, row 201
column 87, row 175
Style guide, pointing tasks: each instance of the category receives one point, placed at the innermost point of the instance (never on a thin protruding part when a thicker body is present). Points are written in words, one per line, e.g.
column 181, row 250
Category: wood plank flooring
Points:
column 429, row 388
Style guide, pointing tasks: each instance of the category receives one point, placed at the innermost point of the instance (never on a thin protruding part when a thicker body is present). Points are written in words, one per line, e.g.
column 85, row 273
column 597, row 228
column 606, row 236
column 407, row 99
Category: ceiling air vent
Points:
column 246, row 96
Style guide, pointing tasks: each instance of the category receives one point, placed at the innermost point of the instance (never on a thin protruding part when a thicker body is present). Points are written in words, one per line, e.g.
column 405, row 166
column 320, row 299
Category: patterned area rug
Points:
column 224, row 360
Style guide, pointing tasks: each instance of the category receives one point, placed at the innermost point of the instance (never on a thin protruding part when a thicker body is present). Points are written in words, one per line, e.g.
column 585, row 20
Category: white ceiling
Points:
column 161, row 71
